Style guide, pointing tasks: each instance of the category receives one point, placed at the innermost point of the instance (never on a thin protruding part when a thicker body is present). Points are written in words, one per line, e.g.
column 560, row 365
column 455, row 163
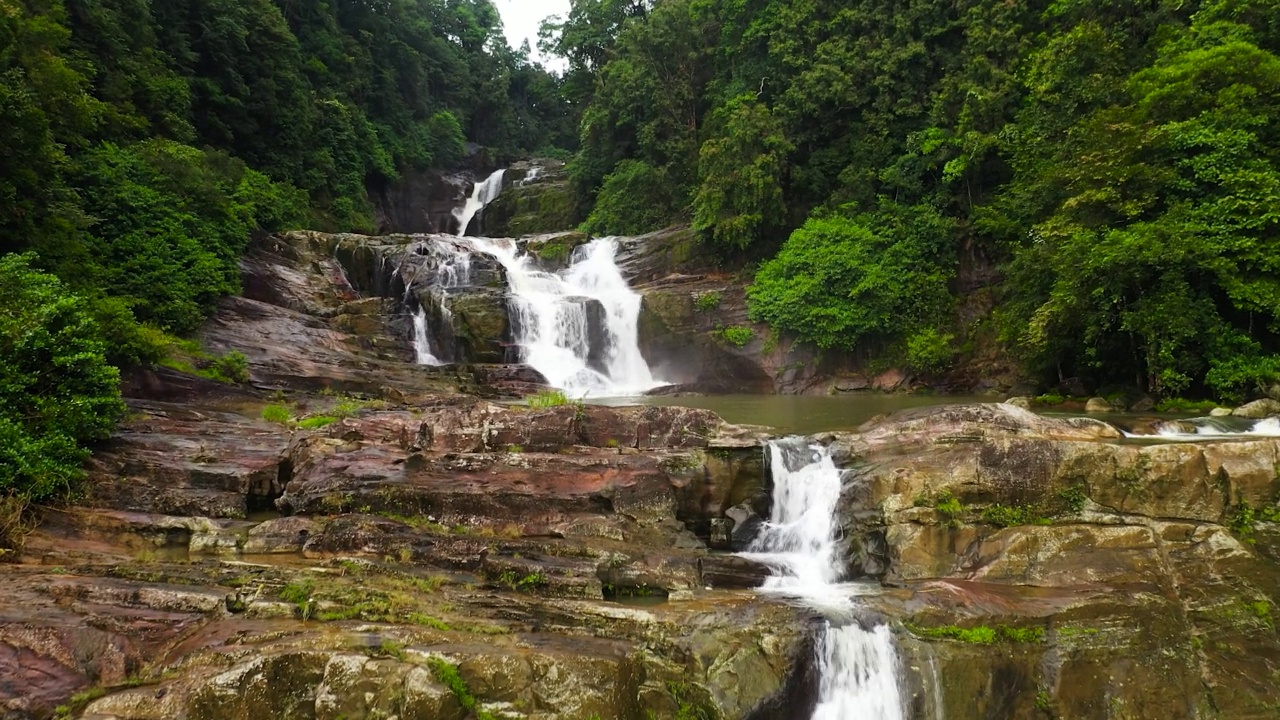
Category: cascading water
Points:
column 553, row 323
column 578, row 327
column 859, row 669
column 1212, row 429
column 421, row 343
column 483, row 194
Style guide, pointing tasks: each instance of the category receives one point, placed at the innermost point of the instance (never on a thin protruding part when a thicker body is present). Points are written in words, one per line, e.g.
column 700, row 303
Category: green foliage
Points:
column 735, row 335
column 707, row 301
column 517, row 583
column 1008, row 516
column 930, row 351
column 300, row 594
column 983, row 635
column 740, row 170
column 1074, row 497
column 446, row 673
column 948, row 505
column 232, row 367
column 311, row 423
column 841, row 280
column 1244, row 516
column 279, row 414
column 635, row 199
column 1182, row 405
column 1050, row 400
column 58, row 395
column 548, row 399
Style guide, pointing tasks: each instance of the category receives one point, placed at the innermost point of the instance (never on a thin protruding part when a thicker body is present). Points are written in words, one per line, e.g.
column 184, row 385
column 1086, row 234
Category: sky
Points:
column 521, row 19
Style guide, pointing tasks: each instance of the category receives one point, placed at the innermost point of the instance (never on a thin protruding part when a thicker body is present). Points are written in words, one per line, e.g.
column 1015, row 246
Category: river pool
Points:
column 800, row 414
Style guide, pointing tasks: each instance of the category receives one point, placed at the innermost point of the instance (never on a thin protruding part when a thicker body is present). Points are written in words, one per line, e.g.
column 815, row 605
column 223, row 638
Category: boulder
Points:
column 1099, row 405
column 1258, row 409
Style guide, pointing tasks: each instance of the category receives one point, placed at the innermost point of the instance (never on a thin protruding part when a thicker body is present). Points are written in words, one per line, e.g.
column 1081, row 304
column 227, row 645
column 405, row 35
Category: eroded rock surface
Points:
column 1115, row 579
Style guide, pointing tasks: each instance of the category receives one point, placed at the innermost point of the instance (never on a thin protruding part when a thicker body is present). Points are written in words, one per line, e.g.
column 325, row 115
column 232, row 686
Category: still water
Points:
column 800, row 414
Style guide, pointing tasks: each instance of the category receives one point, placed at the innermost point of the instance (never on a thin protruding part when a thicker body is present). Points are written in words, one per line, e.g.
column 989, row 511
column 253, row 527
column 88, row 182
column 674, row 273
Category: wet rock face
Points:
column 532, row 202
column 1113, row 580
column 421, row 202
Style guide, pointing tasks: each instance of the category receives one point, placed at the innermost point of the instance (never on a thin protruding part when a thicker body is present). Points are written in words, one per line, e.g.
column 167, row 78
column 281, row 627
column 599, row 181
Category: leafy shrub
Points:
column 232, row 367
column 1009, row 516
column 1074, row 497
column 1182, row 405
column 635, row 199
column 58, row 394
column 949, row 505
column 930, row 351
column 279, row 414
column 547, row 399
column 1236, row 377
column 736, row 335
column 839, row 280
column 707, row 301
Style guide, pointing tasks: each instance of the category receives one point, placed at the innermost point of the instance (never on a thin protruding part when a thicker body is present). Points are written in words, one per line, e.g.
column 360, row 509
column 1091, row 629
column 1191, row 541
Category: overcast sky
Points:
column 521, row 19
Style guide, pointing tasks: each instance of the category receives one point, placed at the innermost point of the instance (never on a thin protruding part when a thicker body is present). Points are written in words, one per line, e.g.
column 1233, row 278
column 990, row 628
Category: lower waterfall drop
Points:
column 421, row 342
column 859, row 669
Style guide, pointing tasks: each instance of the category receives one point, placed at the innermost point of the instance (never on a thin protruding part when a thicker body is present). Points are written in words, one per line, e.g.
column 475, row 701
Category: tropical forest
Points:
column 689, row 359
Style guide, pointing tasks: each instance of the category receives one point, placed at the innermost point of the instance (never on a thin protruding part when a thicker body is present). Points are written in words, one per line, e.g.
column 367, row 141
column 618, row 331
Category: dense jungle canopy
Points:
column 1114, row 163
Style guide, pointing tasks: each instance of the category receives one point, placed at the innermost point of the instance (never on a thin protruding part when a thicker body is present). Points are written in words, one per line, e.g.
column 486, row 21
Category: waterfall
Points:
column 421, row 343
column 482, row 194
column 578, row 327
column 859, row 669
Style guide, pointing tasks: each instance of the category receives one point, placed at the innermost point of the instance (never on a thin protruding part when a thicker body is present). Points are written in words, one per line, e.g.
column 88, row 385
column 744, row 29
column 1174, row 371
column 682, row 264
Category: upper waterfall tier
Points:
column 578, row 327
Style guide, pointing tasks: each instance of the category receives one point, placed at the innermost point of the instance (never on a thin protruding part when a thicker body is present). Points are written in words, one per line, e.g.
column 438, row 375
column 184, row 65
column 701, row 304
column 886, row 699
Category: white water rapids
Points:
column 578, row 327
column 576, row 350
column 1212, row 429
column 859, row 669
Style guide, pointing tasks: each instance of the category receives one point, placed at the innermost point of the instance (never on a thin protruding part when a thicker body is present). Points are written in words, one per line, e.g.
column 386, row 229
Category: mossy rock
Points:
column 540, row 207
column 480, row 326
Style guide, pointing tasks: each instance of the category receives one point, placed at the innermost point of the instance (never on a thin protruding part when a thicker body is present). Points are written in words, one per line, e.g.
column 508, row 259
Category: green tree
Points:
column 742, row 170
column 1167, row 232
column 58, row 395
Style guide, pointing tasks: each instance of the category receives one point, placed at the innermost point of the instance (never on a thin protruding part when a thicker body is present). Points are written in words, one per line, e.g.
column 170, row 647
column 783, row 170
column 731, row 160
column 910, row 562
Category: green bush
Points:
column 839, row 280
column 707, row 301
column 1009, row 516
column 279, row 414
column 635, row 199
column 1182, row 405
column 736, row 335
column 930, row 351
column 547, row 399
column 315, row 423
column 58, row 393
column 232, row 367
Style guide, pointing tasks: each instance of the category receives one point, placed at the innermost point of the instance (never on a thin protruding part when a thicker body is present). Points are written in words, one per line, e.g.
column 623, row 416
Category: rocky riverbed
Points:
column 395, row 545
